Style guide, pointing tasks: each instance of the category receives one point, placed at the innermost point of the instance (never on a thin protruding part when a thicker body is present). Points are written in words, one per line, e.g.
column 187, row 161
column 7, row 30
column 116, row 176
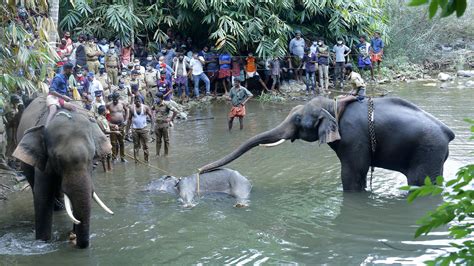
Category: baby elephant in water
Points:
column 220, row 180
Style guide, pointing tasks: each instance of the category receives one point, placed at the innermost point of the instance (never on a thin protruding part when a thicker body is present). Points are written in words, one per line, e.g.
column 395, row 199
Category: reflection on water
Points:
column 298, row 212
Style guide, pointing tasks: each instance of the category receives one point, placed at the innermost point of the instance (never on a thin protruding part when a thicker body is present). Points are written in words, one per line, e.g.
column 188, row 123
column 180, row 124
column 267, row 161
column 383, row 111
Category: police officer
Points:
column 112, row 63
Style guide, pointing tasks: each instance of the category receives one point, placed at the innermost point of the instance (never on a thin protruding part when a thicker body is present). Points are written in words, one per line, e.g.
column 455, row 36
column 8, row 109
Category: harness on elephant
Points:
column 372, row 141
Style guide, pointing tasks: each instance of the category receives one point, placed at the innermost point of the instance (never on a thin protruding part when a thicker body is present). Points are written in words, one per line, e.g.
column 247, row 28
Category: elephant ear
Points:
column 328, row 128
column 32, row 149
column 101, row 142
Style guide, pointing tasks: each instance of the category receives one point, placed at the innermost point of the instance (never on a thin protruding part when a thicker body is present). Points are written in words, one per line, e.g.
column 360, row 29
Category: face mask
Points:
column 320, row 43
column 339, row 42
column 124, row 73
column 315, row 43
column 149, row 58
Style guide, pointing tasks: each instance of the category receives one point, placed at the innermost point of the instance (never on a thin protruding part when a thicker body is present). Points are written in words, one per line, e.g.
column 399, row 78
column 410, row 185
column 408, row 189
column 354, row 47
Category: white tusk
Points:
column 67, row 204
column 101, row 204
column 273, row 144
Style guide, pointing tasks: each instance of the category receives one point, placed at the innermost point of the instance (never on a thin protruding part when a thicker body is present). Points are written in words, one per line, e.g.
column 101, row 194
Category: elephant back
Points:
column 37, row 112
column 34, row 115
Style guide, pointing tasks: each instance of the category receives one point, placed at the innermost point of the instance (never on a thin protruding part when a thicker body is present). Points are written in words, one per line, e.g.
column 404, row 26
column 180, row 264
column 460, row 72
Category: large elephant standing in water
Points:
column 408, row 139
column 58, row 159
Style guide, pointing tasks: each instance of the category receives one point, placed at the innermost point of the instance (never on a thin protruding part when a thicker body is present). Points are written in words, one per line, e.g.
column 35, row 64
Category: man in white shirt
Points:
column 196, row 64
column 94, row 84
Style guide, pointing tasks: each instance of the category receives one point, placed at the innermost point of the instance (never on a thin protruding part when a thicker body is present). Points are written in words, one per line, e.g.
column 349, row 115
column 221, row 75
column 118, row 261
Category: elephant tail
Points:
column 449, row 133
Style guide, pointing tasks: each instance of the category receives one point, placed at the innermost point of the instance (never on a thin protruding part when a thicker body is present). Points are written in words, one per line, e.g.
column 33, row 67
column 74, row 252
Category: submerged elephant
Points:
column 217, row 181
column 58, row 159
column 408, row 139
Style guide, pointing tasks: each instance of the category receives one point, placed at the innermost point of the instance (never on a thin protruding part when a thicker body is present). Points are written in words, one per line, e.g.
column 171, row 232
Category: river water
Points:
column 298, row 212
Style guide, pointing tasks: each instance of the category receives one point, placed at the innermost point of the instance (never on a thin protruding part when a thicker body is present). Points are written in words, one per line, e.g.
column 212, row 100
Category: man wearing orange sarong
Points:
column 238, row 96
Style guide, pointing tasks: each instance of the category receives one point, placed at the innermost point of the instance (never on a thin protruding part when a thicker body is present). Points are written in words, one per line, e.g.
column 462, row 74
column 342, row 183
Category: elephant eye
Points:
column 298, row 119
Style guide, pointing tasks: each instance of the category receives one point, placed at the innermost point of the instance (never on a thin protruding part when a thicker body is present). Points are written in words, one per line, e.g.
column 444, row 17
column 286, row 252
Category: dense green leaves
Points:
column 447, row 7
column 25, row 52
column 263, row 26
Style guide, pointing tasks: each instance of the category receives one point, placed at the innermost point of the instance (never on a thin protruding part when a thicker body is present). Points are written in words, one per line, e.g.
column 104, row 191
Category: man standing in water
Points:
column 118, row 118
column 238, row 96
column 138, row 116
column 162, row 123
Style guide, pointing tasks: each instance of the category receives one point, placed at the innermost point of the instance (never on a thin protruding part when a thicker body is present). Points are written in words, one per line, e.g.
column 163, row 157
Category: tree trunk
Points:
column 54, row 15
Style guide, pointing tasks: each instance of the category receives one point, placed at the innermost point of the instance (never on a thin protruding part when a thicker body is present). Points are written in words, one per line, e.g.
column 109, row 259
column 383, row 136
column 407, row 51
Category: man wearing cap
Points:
column 119, row 115
column 138, row 117
column 58, row 91
column 112, row 63
column 94, row 84
column 162, row 122
column 124, row 91
column 93, row 52
column 297, row 51
column 98, row 101
column 164, row 86
column 238, row 96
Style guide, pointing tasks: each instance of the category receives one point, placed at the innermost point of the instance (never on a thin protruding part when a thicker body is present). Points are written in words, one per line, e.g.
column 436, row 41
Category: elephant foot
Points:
column 72, row 238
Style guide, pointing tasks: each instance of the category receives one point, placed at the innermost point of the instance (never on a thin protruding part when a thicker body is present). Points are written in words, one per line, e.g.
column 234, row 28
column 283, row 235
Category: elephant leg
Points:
column 29, row 172
column 43, row 202
column 422, row 166
column 354, row 174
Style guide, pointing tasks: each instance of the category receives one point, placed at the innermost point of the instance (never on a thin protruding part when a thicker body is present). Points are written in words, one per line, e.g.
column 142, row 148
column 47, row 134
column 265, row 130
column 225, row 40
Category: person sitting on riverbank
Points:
column 238, row 96
column 57, row 97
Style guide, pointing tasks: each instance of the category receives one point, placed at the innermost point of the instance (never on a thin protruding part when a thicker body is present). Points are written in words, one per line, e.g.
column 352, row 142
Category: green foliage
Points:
column 263, row 26
column 25, row 52
column 414, row 35
column 447, row 7
column 457, row 211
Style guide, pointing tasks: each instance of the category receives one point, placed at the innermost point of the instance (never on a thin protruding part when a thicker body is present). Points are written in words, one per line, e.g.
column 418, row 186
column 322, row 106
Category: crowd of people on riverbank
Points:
column 126, row 86
column 191, row 72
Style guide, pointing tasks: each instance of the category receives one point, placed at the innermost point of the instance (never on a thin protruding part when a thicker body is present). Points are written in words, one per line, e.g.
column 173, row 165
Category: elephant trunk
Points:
column 80, row 196
column 283, row 131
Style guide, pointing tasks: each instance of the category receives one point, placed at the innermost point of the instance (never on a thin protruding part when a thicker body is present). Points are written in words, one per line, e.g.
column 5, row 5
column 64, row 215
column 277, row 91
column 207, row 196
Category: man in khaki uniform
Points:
column 103, row 78
column 92, row 54
column 112, row 63
column 136, row 78
column 151, row 79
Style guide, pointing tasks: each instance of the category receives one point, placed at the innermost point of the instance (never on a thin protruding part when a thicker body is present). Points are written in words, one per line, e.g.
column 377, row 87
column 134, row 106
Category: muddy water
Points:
column 298, row 212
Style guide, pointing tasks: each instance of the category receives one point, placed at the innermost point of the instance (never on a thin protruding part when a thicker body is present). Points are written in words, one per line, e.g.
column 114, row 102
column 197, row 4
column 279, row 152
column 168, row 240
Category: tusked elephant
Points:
column 58, row 159
column 408, row 139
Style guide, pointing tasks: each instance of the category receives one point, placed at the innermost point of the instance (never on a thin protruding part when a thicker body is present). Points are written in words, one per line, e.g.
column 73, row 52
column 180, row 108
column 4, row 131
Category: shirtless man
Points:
column 118, row 120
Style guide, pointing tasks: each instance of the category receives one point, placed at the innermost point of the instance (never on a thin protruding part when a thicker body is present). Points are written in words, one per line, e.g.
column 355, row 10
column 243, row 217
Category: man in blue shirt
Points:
column 224, row 70
column 363, row 55
column 58, row 93
column 376, row 51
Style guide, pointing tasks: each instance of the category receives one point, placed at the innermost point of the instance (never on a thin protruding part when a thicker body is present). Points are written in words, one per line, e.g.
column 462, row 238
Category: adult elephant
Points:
column 58, row 160
column 408, row 139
